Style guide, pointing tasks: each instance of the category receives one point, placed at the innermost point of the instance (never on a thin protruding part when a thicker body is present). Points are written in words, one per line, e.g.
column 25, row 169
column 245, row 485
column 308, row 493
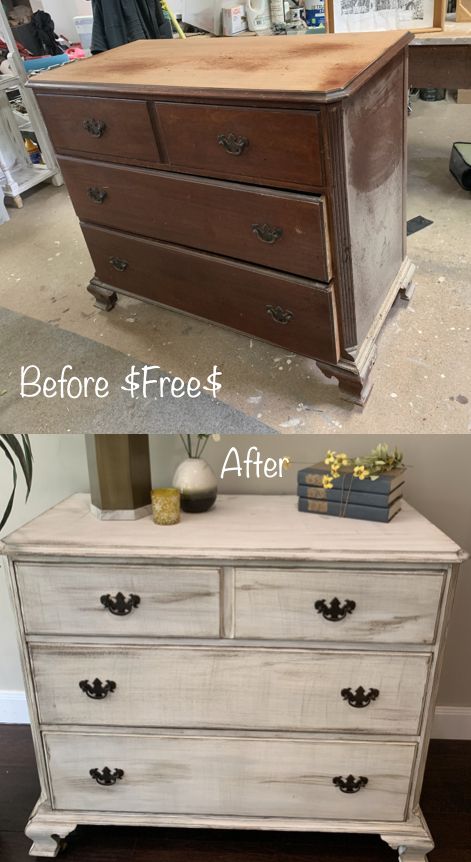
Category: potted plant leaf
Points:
column 17, row 450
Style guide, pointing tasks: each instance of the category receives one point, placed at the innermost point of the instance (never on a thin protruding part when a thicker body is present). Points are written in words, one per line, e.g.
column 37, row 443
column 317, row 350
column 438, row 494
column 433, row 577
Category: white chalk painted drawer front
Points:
column 368, row 606
column 245, row 688
column 98, row 599
column 248, row 776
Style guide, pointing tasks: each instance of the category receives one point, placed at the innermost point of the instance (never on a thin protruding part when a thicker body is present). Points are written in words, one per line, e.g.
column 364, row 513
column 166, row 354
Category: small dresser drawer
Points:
column 98, row 599
column 204, row 687
column 105, row 127
column 245, row 776
column 368, row 606
column 291, row 312
column 280, row 230
column 264, row 146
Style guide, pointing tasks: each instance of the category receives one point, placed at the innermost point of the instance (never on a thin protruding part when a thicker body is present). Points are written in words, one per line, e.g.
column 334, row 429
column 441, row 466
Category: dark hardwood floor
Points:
column 446, row 801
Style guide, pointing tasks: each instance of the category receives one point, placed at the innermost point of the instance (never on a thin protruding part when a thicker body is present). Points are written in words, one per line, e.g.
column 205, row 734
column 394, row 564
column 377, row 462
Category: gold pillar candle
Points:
column 166, row 506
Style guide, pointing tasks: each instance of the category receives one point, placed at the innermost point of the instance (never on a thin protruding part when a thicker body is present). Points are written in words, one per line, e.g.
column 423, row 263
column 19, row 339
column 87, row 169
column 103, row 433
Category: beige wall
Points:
column 438, row 484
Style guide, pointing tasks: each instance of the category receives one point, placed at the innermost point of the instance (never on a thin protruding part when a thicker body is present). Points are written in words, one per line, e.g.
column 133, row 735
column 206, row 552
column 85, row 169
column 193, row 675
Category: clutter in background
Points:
column 132, row 20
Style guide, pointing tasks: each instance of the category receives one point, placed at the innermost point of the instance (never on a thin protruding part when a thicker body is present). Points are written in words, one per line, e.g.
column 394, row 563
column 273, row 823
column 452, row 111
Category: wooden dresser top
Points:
column 326, row 66
column 239, row 527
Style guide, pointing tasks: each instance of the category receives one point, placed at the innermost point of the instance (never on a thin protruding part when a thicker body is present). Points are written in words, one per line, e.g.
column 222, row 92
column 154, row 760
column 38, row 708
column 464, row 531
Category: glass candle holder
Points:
column 166, row 506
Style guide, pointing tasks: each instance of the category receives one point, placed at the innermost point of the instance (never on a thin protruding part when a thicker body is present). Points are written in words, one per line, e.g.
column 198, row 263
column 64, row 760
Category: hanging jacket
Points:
column 116, row 22
column 44, row 27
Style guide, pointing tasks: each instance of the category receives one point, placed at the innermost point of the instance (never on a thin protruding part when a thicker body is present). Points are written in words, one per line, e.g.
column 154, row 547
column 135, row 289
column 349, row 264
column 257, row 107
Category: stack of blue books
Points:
column 350, row 497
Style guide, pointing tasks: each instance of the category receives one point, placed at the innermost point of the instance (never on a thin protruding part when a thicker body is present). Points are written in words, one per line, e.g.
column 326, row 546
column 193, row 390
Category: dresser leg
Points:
column 352, row 387
column 48, row 836
column 415, row 851
column 105, row 297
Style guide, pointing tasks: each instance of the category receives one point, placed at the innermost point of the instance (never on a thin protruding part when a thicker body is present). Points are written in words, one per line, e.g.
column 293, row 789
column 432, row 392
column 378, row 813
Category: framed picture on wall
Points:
column 358, row 16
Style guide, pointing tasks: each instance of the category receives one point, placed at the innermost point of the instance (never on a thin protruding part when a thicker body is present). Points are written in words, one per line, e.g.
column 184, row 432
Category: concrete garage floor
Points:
column 422, row 379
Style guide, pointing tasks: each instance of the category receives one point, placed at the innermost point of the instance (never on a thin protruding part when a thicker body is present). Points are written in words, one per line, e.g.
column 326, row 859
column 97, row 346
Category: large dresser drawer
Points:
column 159, row 601
column 264, row 146
column 207, row 687
column 247, row 776
column 291, row 312
column 104, row 127
column 280, row 230
column 368, row 606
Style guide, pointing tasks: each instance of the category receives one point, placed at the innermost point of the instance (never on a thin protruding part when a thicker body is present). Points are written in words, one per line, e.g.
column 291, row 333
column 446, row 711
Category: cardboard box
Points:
column 233, row 20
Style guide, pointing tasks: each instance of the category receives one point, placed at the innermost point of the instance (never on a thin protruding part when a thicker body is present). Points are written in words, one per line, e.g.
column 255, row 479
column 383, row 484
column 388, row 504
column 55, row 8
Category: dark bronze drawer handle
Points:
column 334, row 611
column 95, row 128
column 119, row 264
column 96, row 194
column 360, row 697
column 106, row 776
column 279, row 314
column 234, row 146
column 350, row 784
column 119, row 605
column 96, row 690
column 267, row 233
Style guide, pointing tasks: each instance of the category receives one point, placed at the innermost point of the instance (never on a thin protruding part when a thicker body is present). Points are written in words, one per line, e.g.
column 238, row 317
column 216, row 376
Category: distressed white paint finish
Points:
column 245, row 527
column 389, row 607
column 230, row 688
column 65, row 599
column 258, row 777
column 255, row 775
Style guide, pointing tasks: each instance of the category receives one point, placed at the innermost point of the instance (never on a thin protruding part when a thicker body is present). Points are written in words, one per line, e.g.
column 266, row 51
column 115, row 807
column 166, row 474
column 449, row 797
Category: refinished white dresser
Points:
column 253, row 667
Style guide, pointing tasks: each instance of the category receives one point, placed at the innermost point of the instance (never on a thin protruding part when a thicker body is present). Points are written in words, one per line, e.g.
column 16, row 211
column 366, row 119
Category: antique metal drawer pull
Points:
column 118, row 263
column 334, row 611
column 120, row 605
column 232, row 144
column 360, row 697
column 279, row 314
column 106, row 776
column 96, row 689
column 96, row 194
column 266, row 233
column 350, row 784
column 95, row 128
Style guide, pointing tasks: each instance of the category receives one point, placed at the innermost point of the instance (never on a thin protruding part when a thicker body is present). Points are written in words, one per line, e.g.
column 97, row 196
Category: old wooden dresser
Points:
column 258, row 183
column 252, row 667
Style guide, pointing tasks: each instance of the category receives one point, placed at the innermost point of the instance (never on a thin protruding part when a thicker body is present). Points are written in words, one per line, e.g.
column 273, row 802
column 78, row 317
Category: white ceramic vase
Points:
column 197, row 484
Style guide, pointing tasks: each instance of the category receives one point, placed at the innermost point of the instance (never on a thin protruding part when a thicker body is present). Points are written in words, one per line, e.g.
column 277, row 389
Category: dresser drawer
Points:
column 262, row 145
column 105, row 127
column 294, row 313
column 371, row 606
column 245, row 776
column 280, row 230
column 158, row 601
column 266, row 689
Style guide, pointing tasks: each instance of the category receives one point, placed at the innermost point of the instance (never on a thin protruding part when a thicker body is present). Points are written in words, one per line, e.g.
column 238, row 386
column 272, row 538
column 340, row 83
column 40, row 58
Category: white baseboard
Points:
column 13, row 708
column 450, row 722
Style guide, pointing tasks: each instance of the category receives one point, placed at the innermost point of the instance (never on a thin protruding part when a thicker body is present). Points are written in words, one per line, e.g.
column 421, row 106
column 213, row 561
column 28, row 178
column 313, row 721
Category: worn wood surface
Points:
column 245, row 688
column 66, row 600
column 251, row 527
column 127, row 126
column 208, row 215
column 167, row 274
column 303, row 64
column 271, row 137
column 389, row 607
